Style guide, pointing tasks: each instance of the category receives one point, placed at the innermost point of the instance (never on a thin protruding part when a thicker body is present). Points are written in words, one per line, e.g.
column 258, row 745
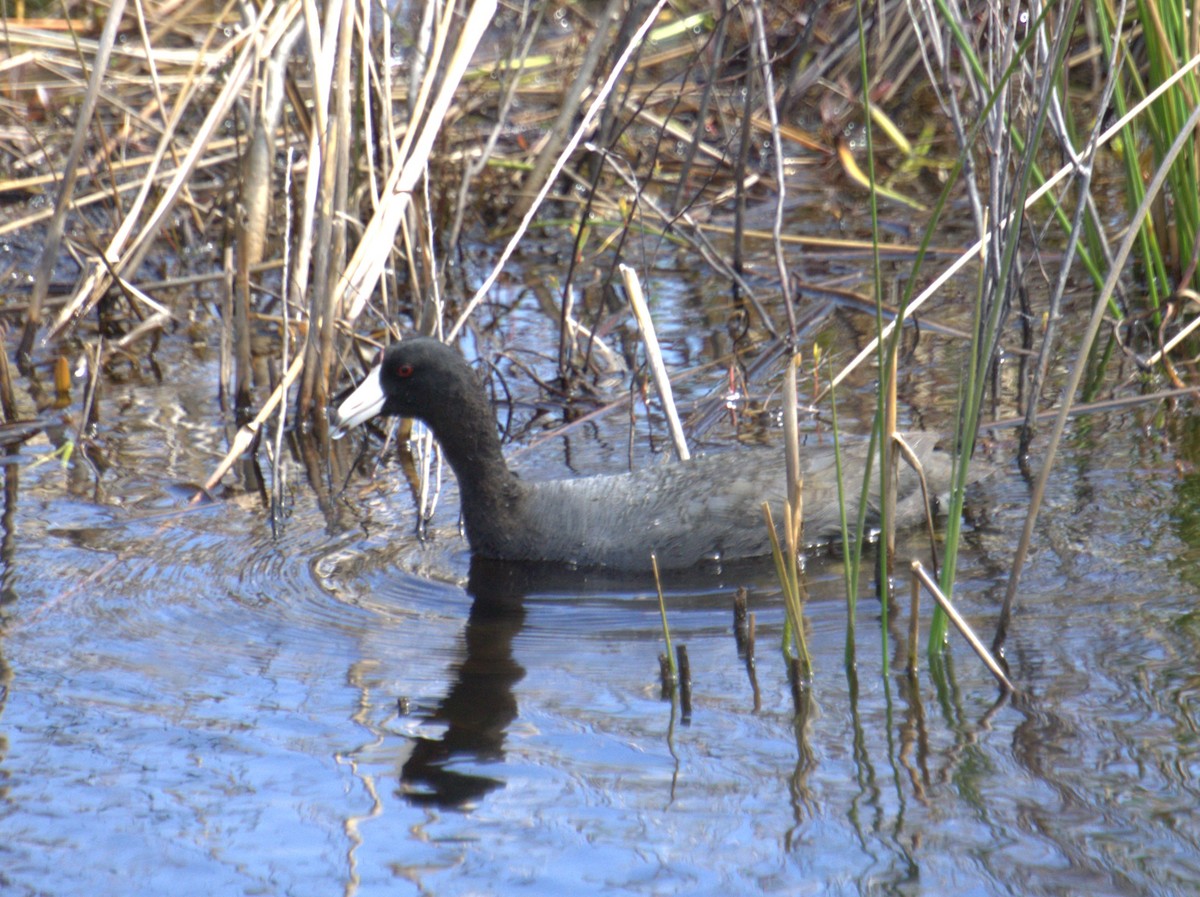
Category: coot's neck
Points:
column 465, row 426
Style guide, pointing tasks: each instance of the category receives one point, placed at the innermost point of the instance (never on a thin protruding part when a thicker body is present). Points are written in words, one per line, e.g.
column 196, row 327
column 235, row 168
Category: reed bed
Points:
column 325, row 177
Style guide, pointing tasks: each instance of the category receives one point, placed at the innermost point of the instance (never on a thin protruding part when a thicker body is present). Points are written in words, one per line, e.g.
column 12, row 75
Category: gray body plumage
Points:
column 705, row 509
column 685, row 513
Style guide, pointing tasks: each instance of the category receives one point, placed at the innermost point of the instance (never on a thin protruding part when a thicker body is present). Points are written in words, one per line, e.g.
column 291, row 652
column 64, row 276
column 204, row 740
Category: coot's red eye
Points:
column 404, row 370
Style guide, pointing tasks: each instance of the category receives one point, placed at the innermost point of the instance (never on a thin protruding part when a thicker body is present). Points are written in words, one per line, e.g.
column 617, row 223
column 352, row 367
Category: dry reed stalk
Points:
column 331, row 174
column 124, row 250
column 256, row 197
column 362, row 272
column 602, row 96
column 301, row 244
column 832, row 244
column 545, row 167
column 54, row 231
column 278, row 466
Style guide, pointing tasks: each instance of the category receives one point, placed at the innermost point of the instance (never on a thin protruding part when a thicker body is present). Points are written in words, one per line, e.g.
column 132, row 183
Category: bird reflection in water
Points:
column 480, row 705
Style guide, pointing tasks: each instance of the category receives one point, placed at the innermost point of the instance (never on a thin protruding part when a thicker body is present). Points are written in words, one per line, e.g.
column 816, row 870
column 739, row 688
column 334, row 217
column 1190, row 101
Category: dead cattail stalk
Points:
column 256, row 199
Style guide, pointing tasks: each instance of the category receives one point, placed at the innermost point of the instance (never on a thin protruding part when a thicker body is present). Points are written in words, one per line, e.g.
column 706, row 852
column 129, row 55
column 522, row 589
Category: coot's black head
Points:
column 419, row 377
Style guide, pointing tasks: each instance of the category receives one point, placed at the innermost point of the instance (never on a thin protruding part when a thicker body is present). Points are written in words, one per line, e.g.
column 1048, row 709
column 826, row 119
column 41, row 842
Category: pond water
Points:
column 191, row 702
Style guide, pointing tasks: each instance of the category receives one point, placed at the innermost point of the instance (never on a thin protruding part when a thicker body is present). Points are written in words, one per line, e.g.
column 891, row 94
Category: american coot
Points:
column 708, row 508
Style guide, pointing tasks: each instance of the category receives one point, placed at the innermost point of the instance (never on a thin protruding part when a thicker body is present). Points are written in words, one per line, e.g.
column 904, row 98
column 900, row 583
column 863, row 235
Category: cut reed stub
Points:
column 665, row 677
column 740, row 632
column 685, row 684
column 798, row 679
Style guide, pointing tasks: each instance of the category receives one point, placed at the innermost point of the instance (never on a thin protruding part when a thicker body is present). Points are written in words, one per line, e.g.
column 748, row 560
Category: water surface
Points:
column 193, row 703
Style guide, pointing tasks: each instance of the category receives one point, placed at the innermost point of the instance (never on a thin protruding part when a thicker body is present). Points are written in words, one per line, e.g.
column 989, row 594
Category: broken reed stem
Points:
column 739, row 620
column 921, row 575
column 662, row 609
column 914, row 625
column 685, row 684
column 601, row 97
column 662, row 380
